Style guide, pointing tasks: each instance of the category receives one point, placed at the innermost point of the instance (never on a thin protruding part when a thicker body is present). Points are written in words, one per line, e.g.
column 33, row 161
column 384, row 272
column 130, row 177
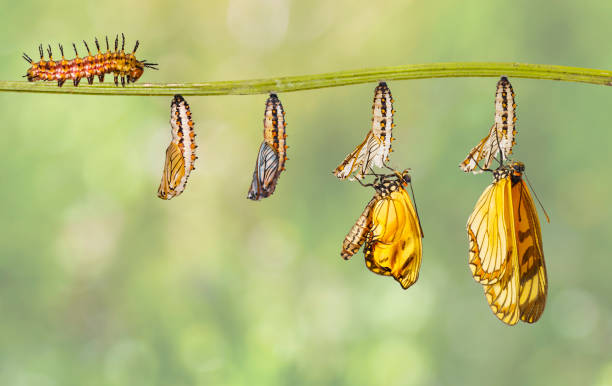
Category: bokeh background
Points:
column 102, row 283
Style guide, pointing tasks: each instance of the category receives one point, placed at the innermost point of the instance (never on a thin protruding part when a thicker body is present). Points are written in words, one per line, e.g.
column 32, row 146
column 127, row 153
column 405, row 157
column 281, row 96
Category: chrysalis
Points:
column 180, row 154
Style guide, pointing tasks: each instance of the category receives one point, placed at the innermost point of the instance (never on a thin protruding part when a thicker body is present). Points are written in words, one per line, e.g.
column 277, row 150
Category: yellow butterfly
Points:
column 506, row 254
column 390, row 228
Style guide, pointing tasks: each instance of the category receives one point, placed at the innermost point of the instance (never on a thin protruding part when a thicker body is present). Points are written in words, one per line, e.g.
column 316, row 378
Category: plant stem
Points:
column 333, row 79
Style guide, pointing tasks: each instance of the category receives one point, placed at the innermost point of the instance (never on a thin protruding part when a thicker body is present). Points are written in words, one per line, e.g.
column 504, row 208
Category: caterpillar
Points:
column 180, row 154
column 115, row 62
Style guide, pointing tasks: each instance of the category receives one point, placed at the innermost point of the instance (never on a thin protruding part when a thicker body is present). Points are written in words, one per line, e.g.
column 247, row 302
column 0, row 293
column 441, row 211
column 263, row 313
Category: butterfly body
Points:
column 390, row 229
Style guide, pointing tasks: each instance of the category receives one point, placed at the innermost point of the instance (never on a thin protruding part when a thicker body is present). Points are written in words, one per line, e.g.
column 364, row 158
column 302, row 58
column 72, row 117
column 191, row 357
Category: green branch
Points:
column 332, row 79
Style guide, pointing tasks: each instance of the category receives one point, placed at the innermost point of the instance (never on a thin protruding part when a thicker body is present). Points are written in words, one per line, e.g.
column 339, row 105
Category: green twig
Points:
column 333, row 79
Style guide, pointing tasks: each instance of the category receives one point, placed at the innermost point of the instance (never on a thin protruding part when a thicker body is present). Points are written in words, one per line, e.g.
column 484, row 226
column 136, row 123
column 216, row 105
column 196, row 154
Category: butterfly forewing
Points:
column 394, row 246
column 488, row 234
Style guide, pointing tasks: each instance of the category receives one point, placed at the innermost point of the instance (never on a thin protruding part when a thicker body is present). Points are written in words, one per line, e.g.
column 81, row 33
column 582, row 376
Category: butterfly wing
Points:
column 173, row 178
column 502, row 294
column 533, row 280
column 489, row 233
column 394, row 246
column 357, row 235
column 266, row 173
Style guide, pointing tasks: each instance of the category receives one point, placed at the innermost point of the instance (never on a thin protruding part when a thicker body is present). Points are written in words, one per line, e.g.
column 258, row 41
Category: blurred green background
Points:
column 102, row 283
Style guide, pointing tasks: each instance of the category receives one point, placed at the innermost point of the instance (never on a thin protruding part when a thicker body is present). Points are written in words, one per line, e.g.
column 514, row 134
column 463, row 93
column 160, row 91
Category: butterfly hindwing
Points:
column 530, row 255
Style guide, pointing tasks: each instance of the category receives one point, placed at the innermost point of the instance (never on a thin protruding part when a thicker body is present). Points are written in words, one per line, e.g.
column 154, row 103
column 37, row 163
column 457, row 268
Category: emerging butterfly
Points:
column 374, row 150
column 501, row 135
column 180, row 154
column 272, row 152
column 391, row 230
column 506, row 254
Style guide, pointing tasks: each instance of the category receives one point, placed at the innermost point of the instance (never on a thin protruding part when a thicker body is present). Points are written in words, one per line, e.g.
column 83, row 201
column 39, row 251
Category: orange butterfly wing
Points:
column 530, row 254
column 394, row 246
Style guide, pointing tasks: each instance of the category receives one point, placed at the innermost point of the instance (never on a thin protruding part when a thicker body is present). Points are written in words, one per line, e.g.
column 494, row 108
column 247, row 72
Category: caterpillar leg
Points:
column 90, row 79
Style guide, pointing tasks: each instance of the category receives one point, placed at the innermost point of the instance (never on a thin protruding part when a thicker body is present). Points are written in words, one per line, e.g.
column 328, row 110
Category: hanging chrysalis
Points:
column 180, row 154
column 375, row 149
column 272, row 152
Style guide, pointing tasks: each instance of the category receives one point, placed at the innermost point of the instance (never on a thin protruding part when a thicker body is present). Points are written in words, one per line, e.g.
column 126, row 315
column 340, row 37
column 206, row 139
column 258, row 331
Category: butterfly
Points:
column 501, row 135
column 375, row 149
column 180, row 154
column 390, row 228
column 506, row 254
column 272, row 152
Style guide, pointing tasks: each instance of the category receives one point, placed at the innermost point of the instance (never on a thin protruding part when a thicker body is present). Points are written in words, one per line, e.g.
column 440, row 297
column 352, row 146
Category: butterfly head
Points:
column 404, row 177
column 517, row 168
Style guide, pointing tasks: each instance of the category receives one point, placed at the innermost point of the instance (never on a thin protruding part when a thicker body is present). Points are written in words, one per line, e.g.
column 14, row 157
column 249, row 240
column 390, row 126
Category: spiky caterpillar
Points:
column 115, row 62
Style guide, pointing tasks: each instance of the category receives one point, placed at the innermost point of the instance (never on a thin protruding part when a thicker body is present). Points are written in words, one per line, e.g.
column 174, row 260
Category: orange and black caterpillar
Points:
column 116, row 62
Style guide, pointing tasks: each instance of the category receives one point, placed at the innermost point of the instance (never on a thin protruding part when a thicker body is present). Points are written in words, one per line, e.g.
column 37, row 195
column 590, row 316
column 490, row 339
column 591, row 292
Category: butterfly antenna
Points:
column 362, row 184
column 416, row 209
column 536, row 196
